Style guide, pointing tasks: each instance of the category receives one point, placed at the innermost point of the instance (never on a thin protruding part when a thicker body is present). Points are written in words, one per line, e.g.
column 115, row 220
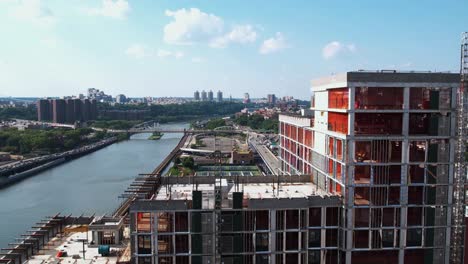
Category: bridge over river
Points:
column 185, row 131
column 142, row 128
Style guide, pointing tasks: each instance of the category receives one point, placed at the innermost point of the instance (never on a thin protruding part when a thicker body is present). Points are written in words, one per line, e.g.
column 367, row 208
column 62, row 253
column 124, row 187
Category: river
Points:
column 88, row 185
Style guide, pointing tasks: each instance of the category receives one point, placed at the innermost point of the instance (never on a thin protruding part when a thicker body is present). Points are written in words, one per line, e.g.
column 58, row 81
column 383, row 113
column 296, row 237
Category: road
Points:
column 272, row 162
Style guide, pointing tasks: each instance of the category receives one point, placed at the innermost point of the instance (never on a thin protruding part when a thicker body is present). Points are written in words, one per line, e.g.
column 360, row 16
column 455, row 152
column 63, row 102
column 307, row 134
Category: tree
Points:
column 215, row 123
column 258, row 122
column 188, row 162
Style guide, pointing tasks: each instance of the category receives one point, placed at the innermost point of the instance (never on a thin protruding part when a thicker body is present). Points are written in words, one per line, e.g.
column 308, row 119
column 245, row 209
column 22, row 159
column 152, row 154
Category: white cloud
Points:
column 165, row 53
column 118, row 9
column 335, row 48
column 138, row 51
column 178, row 54
column 33, row 11
column 273, row 44
column 191, row 26
column 241, row 34
column 197, row 59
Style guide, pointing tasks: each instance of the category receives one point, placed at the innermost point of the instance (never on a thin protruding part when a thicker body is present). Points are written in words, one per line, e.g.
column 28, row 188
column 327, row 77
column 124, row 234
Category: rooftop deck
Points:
column 72, row 244
column 251, row 191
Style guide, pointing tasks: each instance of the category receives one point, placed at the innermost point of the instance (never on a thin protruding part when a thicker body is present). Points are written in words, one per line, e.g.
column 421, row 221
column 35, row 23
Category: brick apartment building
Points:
column 385, row 143
column 66, row 110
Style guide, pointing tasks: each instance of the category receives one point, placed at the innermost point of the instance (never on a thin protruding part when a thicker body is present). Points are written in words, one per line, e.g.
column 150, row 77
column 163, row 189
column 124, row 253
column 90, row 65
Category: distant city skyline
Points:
column 171, row 48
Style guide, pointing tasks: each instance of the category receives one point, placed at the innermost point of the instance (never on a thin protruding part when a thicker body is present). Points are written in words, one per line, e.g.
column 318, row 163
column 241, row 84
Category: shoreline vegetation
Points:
column 38, row 142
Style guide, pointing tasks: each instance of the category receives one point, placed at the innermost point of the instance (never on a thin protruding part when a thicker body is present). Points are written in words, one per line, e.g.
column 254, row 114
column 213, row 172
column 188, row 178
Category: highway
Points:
column 271, row 161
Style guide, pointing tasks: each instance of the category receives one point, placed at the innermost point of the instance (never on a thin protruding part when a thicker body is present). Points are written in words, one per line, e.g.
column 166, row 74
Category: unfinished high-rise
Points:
column 254, row 219
column 368, row 179
column 385, row 142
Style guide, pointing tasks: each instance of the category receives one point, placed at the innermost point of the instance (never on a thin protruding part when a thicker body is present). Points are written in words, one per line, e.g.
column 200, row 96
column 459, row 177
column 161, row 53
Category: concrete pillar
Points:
column 323, row 241
column 453, row 125
column 404, row 174
column 117, row 237
column 349, row 181
column 272, row 235
column 351, row 109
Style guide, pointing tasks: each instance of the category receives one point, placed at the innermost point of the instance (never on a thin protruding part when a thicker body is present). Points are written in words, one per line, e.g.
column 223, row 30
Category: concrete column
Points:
column 94, row 237
column 117, row 237
column 351, row 91
column 154, row 233
column 307, row 236
column 349, row 184
column 453, row 133
column 272, row 234
column 133, row 238
column 349, row 199
column 323, row 241
column 404, row 174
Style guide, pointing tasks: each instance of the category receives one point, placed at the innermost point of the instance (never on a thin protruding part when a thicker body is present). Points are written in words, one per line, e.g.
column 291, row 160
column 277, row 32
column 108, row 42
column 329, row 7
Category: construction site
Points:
column 377, row 175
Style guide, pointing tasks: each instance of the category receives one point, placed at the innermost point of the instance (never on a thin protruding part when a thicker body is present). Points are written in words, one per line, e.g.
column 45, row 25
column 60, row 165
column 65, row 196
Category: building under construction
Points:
column 370, row 179
column 253, row 219
column 385, row 142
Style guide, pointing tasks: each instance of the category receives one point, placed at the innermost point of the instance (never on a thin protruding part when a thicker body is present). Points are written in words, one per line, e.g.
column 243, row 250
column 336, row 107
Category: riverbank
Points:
column 29, row 168
column 87, row 185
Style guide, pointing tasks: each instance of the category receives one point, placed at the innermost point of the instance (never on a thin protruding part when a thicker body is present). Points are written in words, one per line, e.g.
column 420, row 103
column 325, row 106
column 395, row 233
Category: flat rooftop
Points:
column 73, row 246
column 293, row 191
column 250, row 190
column 391, row 77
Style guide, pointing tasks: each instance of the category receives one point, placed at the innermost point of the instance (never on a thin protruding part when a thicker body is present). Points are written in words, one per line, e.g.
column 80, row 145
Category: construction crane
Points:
column 458, row 209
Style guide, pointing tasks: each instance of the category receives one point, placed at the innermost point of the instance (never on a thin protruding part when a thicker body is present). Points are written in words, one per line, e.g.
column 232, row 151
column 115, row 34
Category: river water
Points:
column 88, row 185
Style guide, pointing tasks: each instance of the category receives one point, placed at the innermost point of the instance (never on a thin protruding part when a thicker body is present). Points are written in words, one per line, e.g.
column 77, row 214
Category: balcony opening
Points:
column 378, row 98
column 430, row 98
column 315, row 216
column 417, row 151
column 144, row 222
column 378, row 124
column 262, row 220
column 361, row 217
column 416, row 174
column 338, row 122
column 338, row 98
column 382, row 151
column 361, row 239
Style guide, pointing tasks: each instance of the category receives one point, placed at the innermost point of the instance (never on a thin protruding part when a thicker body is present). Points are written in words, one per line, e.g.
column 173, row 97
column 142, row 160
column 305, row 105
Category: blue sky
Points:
column 172, row 48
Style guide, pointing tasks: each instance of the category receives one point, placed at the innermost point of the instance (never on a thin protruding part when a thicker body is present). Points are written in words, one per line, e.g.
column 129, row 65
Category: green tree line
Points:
column 51, row 140
column 20, row 112
column 258, row 122
column 176, row 112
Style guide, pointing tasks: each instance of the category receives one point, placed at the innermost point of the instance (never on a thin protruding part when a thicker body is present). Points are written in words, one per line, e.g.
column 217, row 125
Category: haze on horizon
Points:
column 172, row 48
